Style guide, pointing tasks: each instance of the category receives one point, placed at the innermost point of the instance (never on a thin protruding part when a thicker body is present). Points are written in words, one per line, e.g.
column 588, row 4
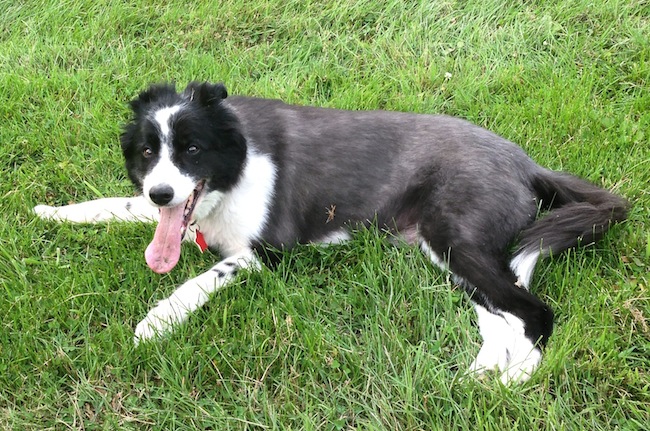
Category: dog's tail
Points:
column 579, row 213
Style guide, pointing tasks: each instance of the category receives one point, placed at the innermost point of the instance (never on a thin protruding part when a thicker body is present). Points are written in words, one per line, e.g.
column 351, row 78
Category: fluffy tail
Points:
column 580, row 213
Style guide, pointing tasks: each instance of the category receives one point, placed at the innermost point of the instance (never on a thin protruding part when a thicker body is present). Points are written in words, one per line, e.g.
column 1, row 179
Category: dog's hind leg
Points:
column 191, row 295
column 101, row 210
column 514, row 324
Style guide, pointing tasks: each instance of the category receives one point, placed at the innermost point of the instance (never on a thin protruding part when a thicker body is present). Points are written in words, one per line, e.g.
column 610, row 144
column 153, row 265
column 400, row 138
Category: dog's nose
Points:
column 161, row 194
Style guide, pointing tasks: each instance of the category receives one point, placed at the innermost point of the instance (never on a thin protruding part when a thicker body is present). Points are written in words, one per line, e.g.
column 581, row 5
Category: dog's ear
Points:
column 205, row 93
column 152, row 94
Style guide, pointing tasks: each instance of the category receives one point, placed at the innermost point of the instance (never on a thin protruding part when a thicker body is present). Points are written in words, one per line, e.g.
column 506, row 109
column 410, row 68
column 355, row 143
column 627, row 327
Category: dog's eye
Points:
column 192, row 149
column 147, row 152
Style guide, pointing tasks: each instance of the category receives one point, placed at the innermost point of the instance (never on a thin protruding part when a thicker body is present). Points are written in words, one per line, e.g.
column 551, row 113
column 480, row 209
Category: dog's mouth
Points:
column 163, row 252
column 190, row 205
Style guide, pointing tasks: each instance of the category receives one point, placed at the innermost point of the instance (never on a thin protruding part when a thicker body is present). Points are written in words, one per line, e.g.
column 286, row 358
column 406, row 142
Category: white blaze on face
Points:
column 165, row 172
column 163, row 118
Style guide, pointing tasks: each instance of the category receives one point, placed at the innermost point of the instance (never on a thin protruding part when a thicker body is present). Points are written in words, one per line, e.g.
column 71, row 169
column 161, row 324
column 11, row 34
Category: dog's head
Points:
column 182, row 150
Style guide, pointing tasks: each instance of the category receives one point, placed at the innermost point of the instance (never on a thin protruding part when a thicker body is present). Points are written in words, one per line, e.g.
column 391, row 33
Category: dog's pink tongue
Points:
column 165, row 249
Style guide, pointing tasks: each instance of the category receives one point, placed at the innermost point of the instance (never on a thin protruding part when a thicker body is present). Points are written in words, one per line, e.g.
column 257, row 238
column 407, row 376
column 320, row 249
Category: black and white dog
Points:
column 238, row 174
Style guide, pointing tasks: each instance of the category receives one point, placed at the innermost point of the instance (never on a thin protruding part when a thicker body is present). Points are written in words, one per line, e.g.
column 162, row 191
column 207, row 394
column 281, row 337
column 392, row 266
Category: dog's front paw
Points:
column 69, row 213
column 45, row 211
column 159, row 320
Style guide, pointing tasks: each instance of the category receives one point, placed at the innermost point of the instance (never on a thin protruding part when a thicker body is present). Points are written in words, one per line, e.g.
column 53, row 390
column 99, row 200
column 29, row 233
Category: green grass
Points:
column 361, row 336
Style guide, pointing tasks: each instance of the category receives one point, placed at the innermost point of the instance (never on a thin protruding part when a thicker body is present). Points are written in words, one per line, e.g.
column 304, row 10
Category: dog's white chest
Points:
column 231, row 221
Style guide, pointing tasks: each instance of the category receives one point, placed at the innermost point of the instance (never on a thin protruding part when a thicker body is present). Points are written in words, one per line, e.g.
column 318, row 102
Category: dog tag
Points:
column 196, row 236
column 200, row 241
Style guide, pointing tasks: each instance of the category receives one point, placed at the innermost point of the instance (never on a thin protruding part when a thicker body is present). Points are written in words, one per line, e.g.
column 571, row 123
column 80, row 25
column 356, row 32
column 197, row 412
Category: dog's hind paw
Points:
column 492, row 356
column 521, row 366
column 516, row 361
column 505, row 348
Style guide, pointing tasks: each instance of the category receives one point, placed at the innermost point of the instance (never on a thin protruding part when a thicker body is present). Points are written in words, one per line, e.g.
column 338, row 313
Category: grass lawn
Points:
column 359, row 336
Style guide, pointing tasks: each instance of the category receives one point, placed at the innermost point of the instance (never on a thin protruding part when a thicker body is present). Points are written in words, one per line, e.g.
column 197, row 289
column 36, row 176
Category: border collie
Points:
column 240, row 174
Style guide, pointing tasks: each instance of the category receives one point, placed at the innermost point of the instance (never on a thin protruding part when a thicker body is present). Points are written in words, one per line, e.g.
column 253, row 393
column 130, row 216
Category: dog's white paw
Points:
column 492, row 356
column 101, row 210
column 505, row 347
column 522, row 364
column 160, row 320
column 45, row 211
column 516, row 362
column 70, row 213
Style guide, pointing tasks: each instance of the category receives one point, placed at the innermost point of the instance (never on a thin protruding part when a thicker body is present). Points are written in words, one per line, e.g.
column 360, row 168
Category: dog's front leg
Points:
column 101, row 210
column 191, row 295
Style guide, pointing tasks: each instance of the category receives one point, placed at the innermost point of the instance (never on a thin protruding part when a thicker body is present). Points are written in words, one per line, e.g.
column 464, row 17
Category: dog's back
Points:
column 384, row 167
